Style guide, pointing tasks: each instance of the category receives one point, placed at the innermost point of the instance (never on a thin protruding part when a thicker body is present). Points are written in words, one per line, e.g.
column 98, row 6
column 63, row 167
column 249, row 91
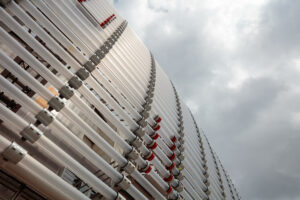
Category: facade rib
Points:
column 88, row 113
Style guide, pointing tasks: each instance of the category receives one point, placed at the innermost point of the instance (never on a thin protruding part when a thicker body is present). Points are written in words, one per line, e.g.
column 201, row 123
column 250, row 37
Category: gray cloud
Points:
column 237, row 66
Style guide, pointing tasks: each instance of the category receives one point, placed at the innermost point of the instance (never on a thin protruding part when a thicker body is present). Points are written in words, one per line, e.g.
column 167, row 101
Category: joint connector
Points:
column 180, row 124
column 137, row 142
column 66, row 92
column 151, row 87
column 128, row 168
column 45, row 117
column 14, row 153
column 101, row 54
column 181, row 157
column 120, row 197
column 206, row 182
column 124, row 183
column 179, row 188
column 181, row 148
column 150, row 156
column 180, row 176
column 133, row 154
column 181, row 129
column 90, row 66
column 145, row 114
column 75, row 82
column 104, row 49
column 207, row 192
column 31, row 133
column 142, row 122
column 56, row 103
column 139, row 131
column 146, row 169
column 148, row 100
column 83, row 74
column 180, row 166
column 150, row 94
column 179, row 197
column 147, row 107
column 181, row 140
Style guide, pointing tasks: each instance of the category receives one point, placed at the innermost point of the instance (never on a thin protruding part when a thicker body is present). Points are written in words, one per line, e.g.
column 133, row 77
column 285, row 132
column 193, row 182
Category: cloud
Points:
column 237, row 65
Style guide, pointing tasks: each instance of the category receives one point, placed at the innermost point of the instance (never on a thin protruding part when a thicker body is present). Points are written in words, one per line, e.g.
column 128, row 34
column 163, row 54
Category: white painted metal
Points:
column 125, row 85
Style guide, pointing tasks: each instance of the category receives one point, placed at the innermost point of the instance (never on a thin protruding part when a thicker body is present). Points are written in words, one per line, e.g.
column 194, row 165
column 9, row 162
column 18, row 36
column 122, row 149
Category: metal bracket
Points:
column 181, row 166
column 14, row 153
column 149, row 100
column 45, row 117
column 56, row 103
column 179, row 188
column 147, row 107
column 205, row 174
column 124, row 183
column 31, row 133
column 181, row 140
column 66, row 92
column 75, row 82
column 181, row 148
column 129, row 168
column 83, row 74
column 207, row 192
column 180, row 176
column 142, row 122
column 95, row 59
column 181, row 157
column 107, row 44
column 139, row 131
column 100, row 53
column 133, row 154
column 137, row 142
column 120, row 197
column 104, row 49
column 145, row 114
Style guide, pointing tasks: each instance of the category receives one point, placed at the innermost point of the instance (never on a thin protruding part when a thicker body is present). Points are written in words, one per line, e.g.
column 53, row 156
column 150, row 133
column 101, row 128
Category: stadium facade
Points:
column 87, row 112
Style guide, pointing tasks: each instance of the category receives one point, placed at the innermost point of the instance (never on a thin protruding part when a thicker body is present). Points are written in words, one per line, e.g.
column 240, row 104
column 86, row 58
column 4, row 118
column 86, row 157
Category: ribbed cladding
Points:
column 204, row 158
column 217, row 169
column 203, row 154
column 180, row 120
column 213, row 175
column 224, row 180
column 193, row 139
column 150, row 93
column 78, row 81
column 82, row 74
column 105, row 48
column 235, row 195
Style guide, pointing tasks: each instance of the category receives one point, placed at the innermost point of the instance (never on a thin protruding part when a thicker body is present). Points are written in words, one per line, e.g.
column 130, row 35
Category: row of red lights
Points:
column 107, row 20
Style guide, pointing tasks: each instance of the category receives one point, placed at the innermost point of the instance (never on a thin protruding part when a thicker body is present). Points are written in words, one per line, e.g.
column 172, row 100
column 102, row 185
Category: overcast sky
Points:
column 236, row 63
